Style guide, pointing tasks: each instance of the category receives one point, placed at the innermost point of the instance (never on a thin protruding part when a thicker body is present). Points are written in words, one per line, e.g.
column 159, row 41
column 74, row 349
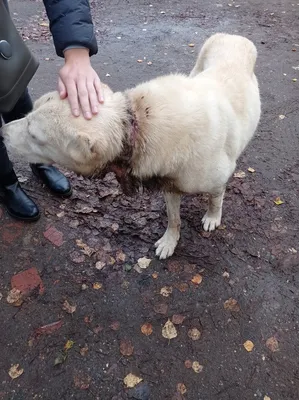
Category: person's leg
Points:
column 49, row 175
column 17, row 203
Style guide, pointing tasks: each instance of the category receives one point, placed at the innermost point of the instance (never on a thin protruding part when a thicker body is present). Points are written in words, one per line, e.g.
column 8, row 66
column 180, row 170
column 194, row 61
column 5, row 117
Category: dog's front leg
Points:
column 166, row 245
column 212, row 217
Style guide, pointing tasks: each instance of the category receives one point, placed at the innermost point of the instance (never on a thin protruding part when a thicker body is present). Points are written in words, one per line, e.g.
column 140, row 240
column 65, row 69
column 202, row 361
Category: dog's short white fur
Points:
column 190, row 129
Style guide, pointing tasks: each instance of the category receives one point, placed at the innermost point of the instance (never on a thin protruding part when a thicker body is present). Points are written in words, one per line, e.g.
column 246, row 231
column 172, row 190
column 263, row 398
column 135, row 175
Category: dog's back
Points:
column 223, row 49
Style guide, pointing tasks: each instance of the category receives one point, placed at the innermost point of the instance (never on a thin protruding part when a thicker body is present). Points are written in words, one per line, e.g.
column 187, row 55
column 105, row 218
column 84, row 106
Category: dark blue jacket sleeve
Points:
column 71, row 24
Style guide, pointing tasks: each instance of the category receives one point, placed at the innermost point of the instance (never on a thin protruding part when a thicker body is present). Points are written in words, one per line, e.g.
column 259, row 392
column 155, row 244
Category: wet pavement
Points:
column 85, row 317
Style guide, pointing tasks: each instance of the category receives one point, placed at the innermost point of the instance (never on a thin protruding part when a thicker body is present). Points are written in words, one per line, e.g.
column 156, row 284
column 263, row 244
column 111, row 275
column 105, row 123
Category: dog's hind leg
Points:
column 212, row 217
column 166, row 245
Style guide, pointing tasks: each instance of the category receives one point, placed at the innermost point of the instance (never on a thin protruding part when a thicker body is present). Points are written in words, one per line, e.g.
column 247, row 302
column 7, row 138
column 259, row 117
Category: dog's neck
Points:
column 123, row 164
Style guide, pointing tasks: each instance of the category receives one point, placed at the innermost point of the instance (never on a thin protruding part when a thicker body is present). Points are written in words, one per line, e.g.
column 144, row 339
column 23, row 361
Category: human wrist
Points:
column 73, row 54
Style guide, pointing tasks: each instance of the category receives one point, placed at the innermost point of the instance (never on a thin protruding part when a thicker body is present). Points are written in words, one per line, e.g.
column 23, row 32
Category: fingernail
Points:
column 87, row 115
column 95, row 110
column 76, row 112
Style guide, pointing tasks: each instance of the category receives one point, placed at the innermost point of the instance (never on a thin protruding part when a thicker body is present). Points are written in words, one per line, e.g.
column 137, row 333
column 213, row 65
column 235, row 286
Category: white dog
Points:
column 181, row 134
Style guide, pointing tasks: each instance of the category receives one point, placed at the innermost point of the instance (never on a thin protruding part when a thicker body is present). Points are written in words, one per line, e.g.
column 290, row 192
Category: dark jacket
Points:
column 71, row 25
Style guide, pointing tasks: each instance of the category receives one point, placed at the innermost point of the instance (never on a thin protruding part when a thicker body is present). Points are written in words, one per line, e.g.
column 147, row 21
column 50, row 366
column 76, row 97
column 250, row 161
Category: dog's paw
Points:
column 211, row 222
column 166, row 245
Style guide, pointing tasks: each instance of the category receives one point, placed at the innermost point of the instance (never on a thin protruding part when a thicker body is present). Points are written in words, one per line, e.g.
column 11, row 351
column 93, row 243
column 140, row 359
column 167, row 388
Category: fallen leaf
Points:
column 155, row 275
column 60, row 358
column 147, row 329
column 115, row 326
column 14, row 372
column 182, row 287
column 272, row 344
column 194, row 334
column 169, row 330
column 46, row 24
column 139, row 61
column 69, row 344
column 120, row 256
column 181, row 388
column 294, row 79
column 281, row 116
column 82, row 381
column 100, row 265
column 178, row 319
column 126, row 348
column 231, row 305
column 197, row 367
column 97, row 286
column 248, row 345
column 166, row 291
column 161, row 308
column 14, row 297
column 49, row 328
column 84, row 351
column 197, row 279
column 88, row 251
column 251, row 169
column 267, row 398
column 239, row 174
column 68, row 308
column 278, row 201
column 143, row 262
column 188, row 364
column 191, row 44
column 132, row 380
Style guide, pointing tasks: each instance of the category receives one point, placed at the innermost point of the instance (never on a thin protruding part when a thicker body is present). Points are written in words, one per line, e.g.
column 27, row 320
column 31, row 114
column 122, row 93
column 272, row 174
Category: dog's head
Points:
column 50, row 134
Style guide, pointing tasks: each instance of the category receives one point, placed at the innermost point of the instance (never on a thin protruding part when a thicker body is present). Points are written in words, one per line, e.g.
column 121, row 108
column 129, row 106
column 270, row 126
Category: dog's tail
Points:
column 224, row 48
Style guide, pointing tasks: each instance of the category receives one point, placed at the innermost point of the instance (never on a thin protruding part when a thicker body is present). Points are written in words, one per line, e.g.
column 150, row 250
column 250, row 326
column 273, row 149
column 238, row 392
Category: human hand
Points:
column 79, row 82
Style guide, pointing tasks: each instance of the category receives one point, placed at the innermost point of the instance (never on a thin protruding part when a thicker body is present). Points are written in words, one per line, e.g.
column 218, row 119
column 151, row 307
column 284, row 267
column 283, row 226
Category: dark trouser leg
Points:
column 16, row 201
column 7, row 175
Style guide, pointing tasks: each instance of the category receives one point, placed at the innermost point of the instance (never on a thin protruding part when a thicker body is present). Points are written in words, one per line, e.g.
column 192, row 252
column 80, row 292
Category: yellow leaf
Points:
column 144, row 262
column 166, row 291
column 248, row 345
column 194, row 334
column 69, row 344
column 197, row 367
column 68, row 308
column 97, row 286
column 15, row 372
column 251, row 169
column 239, row 174
column 169, row 331
column 278, row 201
column 191, row 44
column 132, row 380
column 197, row 279
column 294, row 79
column 15, row 297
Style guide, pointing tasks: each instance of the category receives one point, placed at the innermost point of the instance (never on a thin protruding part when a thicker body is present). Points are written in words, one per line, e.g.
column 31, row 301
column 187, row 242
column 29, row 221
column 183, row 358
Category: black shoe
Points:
column 53, row 179
column 18, row 204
